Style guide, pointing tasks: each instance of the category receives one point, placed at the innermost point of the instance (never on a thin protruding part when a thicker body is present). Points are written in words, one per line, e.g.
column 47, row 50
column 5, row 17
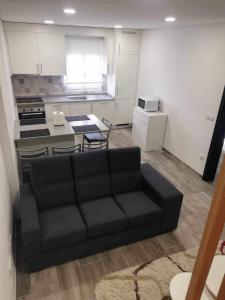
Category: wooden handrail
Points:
column 221, row 294
column 211, row 235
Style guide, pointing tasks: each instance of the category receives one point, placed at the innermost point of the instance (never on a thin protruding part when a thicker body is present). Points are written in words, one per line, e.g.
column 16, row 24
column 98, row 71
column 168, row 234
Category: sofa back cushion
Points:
column 52, row 181
column 91, row 175
column 124, row 164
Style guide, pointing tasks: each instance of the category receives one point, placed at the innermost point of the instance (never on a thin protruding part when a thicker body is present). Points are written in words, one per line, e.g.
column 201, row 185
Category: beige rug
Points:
column 149, row 281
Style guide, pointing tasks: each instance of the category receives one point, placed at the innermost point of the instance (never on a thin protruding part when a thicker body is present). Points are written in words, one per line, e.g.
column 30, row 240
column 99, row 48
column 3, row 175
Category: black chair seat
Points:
column 95, row 137
column 61, row 227
column 103, row 216
column 139, row 208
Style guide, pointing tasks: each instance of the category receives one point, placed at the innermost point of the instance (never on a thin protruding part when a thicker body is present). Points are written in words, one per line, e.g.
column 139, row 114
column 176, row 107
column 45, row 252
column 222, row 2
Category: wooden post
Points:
column 221, row 294
column 211, row 235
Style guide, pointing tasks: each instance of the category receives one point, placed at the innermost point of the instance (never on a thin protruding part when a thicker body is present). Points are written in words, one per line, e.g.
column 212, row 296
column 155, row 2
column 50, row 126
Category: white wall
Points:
column 185, row 68
column 8, row 175
column 7, row 277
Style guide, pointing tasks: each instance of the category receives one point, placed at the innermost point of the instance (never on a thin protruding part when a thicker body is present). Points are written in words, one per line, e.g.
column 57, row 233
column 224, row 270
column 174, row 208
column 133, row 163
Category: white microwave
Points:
column 148, row 104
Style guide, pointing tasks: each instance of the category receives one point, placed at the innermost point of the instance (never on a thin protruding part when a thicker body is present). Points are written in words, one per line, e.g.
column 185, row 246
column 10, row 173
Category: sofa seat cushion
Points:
column 61, row 227
column 139, row 208
column 103, row 216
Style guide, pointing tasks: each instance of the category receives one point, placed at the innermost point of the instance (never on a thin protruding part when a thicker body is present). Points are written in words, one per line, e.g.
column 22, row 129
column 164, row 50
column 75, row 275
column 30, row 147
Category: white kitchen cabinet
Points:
column 50, row 108
column 128, row 41
column 23, row 52
column 37, row 53
column 148, row 129
column 123, row 111
column 80, row 108
column 52, row 56
column 126, row 76
column 104, row 109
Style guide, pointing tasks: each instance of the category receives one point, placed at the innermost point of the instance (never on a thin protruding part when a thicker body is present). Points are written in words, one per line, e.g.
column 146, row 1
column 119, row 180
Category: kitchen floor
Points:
column 76, row 280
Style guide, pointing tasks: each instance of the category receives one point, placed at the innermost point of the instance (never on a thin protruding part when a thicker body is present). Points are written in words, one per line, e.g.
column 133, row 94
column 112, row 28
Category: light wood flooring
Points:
column 76, row 280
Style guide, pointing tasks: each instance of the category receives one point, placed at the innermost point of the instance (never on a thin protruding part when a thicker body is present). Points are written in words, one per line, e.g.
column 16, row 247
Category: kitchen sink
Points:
column 76, row 97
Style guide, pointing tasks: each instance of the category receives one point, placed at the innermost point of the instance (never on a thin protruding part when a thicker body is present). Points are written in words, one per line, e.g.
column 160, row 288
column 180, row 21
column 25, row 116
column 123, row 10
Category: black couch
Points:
column 81, row 204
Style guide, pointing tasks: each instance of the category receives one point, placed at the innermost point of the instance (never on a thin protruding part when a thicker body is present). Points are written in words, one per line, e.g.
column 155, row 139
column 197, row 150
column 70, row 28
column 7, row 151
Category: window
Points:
column 84, row 64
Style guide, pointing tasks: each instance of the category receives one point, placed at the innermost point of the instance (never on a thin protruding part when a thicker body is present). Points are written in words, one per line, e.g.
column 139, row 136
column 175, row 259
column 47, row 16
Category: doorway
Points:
column 216, row 145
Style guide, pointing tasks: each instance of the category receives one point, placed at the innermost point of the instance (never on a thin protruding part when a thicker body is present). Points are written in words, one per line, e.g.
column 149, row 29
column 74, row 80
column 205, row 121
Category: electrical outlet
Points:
column 202, row 158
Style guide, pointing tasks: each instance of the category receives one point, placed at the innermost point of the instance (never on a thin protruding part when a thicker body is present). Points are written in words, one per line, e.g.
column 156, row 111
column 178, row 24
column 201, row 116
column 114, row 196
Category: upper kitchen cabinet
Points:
column 52, row 57
column 126, row 76
column 128, row 41
column 37, row 53
column 23, row 52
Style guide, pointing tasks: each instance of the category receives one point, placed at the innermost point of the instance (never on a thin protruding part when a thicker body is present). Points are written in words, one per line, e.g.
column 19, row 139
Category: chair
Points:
column 98, row 137
column 24, row 162
column 66, row 150
column 94, row 146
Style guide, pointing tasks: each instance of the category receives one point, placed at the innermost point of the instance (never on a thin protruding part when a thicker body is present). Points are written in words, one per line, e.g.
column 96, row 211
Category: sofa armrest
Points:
column 164, row 193
column 31, row 233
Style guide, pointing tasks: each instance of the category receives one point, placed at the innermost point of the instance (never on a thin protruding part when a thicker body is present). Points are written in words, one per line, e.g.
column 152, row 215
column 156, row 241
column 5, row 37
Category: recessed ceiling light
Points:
column 69, row 11
column 170, row 19
column 49, row 21
column 118, row 26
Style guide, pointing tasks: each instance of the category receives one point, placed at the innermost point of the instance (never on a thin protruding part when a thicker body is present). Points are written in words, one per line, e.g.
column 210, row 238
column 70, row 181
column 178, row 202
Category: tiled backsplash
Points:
column 27, row 85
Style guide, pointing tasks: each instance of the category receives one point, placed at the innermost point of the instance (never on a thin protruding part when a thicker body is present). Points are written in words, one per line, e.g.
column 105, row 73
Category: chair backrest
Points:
column 24, row 161
column 124, row 165
column 94, row 146
column 109, row 125
column 66, row 150
column 91, row 175
column 52, row 181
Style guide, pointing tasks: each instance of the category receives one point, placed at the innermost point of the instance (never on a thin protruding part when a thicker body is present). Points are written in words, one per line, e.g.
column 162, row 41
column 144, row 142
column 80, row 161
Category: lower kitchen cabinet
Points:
column 80, row 108
column 123, row 111
column 50, row 108
column 104, row 109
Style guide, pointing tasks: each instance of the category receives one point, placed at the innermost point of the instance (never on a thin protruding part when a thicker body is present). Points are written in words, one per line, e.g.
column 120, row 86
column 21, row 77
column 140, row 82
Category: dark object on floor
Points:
column 85, row 128
column 32, row 121
column 85, row 203
column 98, row 137
column 24, row 158
column 77, row 118
column 34, row 133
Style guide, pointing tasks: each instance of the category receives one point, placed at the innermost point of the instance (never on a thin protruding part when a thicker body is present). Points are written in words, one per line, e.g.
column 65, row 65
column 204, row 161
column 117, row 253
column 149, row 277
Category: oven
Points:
column 30, row 108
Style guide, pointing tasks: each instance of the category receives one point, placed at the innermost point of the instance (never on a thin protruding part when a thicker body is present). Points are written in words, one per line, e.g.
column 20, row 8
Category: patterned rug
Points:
column 148, row 281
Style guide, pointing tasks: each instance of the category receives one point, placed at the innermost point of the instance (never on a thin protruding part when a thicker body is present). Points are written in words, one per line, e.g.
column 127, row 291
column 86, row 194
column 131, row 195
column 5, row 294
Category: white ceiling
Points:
column 106, row 13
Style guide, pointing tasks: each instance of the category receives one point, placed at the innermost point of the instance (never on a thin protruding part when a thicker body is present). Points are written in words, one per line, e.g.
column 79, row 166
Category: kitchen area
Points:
column 60, row 72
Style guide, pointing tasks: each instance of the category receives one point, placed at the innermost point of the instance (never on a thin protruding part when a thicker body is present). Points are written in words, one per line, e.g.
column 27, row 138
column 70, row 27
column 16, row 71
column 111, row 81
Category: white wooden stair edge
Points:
column 179, row 284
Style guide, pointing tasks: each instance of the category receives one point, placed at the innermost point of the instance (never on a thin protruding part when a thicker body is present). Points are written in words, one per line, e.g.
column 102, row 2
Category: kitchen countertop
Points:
column 56, row 131
column 49, row 99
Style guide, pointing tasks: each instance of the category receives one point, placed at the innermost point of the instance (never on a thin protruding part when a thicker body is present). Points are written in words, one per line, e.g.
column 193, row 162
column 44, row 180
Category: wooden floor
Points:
column 76, row 280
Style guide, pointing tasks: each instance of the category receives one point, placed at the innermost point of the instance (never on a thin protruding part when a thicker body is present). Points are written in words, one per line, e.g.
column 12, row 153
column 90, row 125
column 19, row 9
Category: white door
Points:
column 80, row 108
column 104, row 109
column 127, row 69
column 123, row 111
column 23, row 52
column 52, row 56
column 129, row 42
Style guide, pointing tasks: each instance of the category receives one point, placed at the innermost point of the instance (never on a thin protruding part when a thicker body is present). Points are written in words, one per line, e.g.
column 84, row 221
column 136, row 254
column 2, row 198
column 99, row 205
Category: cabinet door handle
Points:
column 117, row 90
column 108, row 68
column 38, row 69
column 41, row 68
column 119, row 48
column 116, row 106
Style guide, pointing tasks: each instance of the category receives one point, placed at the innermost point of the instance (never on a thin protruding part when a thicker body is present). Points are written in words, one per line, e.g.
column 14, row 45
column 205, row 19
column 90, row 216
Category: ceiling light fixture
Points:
column 49, row 22
column 69, row 11
column 170, row 19
column 118, row 26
